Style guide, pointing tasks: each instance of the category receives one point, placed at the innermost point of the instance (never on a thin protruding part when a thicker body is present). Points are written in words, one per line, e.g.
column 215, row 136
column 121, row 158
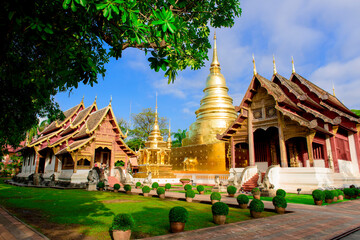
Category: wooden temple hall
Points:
column 295, row 124
column 69, row 148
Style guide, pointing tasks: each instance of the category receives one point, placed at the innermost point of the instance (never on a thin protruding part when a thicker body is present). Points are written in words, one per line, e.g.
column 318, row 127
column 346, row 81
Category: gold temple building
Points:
column 155, row 157
column 201, row 150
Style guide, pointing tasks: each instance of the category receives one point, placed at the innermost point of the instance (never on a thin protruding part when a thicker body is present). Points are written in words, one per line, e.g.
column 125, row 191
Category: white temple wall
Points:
column 262, row 166
column 50, row 166
column 354, row 159
column 346, row 167
column 319, row 163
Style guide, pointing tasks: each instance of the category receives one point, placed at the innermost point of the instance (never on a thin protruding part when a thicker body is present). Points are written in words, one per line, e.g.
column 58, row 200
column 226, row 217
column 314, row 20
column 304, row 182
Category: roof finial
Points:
column 110, row 99
column 275, row 72
column 95, row 98
column 82, row 100
column 293, row 66
column 334, row 90
column 215, row 65
column 255, row 72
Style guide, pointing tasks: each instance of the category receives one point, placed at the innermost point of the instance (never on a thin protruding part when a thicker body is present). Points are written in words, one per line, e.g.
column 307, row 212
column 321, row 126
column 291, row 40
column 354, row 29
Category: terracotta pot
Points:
column 146, row 194
column 162, row 196
column 280, row 210
column 341, row 197
column 155, row 189
column 243, row 205
column 201, row 192
column 128, row 192
column 231, row 195
column 177, row 227
column 184, row 182
column 115, row 190
column 335, row 199
column 219, row 219
column 188, row 199
column 137, row 187
column 101, row 189
column 121, row 235
column 255, row 214
column 347, row 197
column 214, row 201
column 328, row 200
column 256, row 196
column 318, row 202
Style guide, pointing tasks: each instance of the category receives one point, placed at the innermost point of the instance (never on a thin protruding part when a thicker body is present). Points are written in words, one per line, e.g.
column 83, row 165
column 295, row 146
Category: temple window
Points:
column 318, row 151
column 342, row 145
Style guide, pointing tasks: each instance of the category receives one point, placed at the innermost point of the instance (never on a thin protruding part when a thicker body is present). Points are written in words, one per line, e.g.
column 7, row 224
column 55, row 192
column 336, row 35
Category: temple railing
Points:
column 247, row 174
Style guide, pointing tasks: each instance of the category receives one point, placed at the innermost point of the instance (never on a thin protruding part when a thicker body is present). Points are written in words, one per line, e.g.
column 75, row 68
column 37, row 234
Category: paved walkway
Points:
column 12, row 229
column 303, row 222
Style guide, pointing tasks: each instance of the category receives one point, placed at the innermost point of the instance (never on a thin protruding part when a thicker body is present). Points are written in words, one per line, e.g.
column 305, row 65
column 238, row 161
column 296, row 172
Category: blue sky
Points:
column 323, row 36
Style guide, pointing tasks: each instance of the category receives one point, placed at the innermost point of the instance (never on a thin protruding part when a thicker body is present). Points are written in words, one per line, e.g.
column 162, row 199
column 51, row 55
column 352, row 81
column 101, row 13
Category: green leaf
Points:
column 73, row 6
column 83, row 2
column 48, row 30
column 115, row 9
column 101, row 6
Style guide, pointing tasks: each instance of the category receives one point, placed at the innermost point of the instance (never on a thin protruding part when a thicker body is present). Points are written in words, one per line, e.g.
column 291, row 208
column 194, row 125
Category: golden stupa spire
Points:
column 156, row 108
column 255, row 72
column 215, row 65
column 292, row 63
column 275, row 72
column 155, row 135
column 169, row 137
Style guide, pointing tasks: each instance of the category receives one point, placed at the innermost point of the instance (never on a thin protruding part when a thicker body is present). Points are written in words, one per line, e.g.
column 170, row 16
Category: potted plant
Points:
column 256, row 207
column 187, row 187
column 318, row 196
column 101, row 186
column 280, row 204
column 215, row 197
column 116, row 187
column 357, row 192
column 200, row 189
column 127, row 188
column 329, row 196
column 184, row 181
column 155, row 185
column 336, row 195
column 281, row 192
column 219, row 210
column 178, row 216
column 256, row 193
column 161, row 192
column 348, row 192
column 146, row 190
column 341, row 194
column 243, row 201
column 231, row 190
column 167, row 187
column 138, row 184
column 189, row 195
column 121, row 226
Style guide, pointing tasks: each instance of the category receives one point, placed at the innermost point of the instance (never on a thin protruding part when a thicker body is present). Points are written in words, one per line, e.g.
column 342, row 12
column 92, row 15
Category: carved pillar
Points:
column 283, row 157
column 112, row 158
column 291, row 155
column 232, row 146
column 126, row 161
column 37, row 162
column 333, row 149
column 309, row 140
column 274, row 160
column 251, row 139
column 76, row 162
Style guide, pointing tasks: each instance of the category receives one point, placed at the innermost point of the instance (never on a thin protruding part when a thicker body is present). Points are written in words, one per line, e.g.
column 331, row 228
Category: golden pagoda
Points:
column 155, row 157
column 201, row 150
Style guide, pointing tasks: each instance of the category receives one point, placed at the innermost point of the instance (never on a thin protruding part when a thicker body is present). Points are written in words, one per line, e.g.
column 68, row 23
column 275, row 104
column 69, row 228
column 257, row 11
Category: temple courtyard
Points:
column 79, row 214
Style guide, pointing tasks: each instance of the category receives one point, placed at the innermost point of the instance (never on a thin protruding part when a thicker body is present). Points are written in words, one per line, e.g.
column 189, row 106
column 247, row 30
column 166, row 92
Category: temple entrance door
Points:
column 266, row 145
column 241, row 155
column 102, row 156
column 296, row 152
column 41, row 165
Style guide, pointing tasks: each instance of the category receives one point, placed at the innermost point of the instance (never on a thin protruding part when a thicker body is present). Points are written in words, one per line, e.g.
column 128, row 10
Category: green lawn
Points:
column 92, row 212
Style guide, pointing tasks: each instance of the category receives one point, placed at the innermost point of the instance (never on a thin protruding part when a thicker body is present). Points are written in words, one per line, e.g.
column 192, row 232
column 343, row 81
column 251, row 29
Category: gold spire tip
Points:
column 110, row 99
column 292, row 63
column 255, row 72
column 275, row 72
column 95, row 98
column 215, row 65
column 82, row 98
column 214, row 34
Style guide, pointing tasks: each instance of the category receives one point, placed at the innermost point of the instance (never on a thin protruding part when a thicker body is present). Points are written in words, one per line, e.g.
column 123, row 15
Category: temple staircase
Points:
column 112, row 180
column 252, row 182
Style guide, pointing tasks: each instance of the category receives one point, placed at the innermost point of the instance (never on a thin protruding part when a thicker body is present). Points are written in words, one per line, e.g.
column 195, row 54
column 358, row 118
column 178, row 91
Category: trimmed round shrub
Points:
column 329, row 194
column 160, row 191
column 281, row 192
column 168, row 186
column 242, row 199
column 187, row 187
column 340, row 192
column 146, row 189
column 200, row 188
column 335, row 192
column 215, row 196
column 116, row 186
column 349, row 191
column 255, row 191
column 178, row 214
column 220, row 208
column 318, row 195
column 138, row 184
column 256, row 205
column 356, row 192
column 190, row 193
column 127, row 187
column 122, row 222
column 101, row 185
column 231, row 190
column 155, row 185
column 279, row 201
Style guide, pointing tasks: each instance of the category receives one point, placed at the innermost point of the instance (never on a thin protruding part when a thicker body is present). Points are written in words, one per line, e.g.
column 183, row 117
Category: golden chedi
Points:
column 155, row 157
column 201, row 149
